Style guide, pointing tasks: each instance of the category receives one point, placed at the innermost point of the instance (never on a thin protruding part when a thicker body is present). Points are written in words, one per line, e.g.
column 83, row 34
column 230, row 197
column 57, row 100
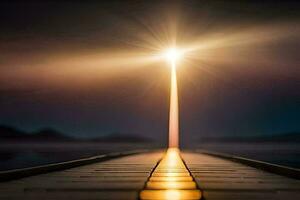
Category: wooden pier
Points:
column 126, row 177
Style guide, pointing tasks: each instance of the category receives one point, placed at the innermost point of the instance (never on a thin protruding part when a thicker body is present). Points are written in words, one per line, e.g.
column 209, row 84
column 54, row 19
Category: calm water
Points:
column 14, row 156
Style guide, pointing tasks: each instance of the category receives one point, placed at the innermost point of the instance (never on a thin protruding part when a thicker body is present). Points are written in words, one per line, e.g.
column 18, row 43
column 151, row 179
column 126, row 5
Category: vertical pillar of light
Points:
column 171, row 180
column 173, row 115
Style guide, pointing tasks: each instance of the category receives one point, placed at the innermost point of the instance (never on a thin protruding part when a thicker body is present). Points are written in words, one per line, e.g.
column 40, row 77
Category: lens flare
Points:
column 173, row 55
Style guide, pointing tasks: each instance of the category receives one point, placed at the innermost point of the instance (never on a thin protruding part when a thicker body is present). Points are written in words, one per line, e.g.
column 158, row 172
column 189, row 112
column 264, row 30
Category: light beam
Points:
column 173, row 55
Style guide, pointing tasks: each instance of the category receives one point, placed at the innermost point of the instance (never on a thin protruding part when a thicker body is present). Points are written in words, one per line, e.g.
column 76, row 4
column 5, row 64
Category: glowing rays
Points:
column 231, row 46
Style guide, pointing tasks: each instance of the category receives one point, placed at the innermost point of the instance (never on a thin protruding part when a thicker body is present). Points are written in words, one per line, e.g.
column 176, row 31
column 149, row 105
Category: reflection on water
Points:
column 171, row 180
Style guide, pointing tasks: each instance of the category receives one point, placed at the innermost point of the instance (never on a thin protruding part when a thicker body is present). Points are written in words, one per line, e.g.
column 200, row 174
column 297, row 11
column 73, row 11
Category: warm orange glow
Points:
column 174, row 115
column 171, row 185
column 170, row 194
column 173, row 55
column 171, row 180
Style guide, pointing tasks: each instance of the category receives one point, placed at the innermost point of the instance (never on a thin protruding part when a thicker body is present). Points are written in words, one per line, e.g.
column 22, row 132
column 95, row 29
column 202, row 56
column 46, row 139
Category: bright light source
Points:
column 173, row 54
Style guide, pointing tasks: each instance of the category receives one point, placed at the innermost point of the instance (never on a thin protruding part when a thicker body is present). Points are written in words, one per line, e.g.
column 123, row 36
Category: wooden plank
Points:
column 26, row 172
column 223, row 179
column 273, row 168
column 86, row 182
column 125, row 177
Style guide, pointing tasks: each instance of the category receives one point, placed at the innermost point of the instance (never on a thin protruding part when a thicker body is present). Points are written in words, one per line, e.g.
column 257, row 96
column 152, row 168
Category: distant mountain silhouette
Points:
column 50, row 135
column 10, row 134
column 281, row 137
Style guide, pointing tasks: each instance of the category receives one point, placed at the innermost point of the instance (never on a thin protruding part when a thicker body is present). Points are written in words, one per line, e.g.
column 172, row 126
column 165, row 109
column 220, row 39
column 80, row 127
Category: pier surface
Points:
column 221, row 179
column 125, row 178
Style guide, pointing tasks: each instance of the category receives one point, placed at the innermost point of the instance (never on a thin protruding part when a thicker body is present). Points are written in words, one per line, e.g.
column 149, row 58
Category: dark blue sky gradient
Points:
column 233, row 100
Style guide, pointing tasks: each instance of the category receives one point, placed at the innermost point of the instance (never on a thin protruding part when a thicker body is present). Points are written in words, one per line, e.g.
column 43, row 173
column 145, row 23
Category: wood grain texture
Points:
column 223, row 179
column 120, row 178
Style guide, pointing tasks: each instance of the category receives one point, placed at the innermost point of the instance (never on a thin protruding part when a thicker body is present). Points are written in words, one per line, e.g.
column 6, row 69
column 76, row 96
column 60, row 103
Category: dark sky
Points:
column 73, row 66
